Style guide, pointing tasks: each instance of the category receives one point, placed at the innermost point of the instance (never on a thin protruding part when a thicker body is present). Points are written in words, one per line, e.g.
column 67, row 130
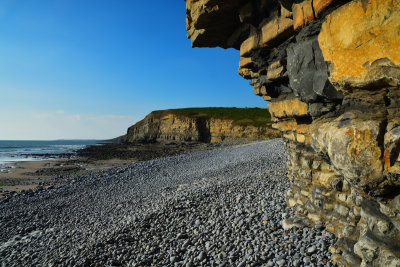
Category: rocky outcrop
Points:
column 168, row 126
column 330, row 70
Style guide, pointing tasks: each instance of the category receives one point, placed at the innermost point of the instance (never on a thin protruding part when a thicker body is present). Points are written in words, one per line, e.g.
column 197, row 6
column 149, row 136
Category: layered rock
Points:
column 168, row 126
column 330, row 70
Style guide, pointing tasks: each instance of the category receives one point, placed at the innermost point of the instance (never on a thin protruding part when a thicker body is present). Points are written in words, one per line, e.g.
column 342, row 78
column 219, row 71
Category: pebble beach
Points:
column 220, row 207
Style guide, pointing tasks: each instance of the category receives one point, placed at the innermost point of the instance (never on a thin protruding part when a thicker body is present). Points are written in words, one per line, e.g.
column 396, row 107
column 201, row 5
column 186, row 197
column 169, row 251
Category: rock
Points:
column 303, row 13
column 173, row 259
column 318, row 109
column 201, row 256
column 249, row 45
column 281, row 262
column 332, row 80
column 308, row 72
column 311, row 250
column 198, row 17
column 352, row 145
column 295, row 221
column 288, row 107
column 320, row 5
column 276, row 71
column 364, row 51
column 171, row 125
column 276, row 28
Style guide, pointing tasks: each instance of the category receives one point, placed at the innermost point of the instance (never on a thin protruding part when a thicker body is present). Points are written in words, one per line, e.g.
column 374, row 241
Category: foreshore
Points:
column 23, row 176
column 220, row 207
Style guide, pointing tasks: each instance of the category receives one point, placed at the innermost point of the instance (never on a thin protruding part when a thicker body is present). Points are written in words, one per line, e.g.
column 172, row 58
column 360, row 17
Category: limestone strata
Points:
column 330, row 70
column 361, row 41
column 162, row 126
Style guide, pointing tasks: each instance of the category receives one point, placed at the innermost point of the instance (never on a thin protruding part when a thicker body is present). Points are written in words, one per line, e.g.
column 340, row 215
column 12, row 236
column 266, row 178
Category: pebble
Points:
column 201, row 256
column 281, row 262
column 220, row 207
column 311, row 250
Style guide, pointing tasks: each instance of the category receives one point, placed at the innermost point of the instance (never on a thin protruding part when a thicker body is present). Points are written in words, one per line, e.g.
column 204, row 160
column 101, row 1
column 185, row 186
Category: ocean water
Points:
column 15, row 151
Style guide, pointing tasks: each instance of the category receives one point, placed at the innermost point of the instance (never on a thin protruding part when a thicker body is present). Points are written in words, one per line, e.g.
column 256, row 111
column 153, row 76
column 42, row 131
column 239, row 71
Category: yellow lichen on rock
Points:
column 356, row 36
column 320, row 5
column 302, row 14
column 353, row 150
column 273, row 29
column 284, row 126
column 287, row 108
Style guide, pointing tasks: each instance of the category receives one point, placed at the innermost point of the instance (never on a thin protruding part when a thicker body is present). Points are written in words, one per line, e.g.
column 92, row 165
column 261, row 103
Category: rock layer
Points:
column 330, row 70
column 167, row 126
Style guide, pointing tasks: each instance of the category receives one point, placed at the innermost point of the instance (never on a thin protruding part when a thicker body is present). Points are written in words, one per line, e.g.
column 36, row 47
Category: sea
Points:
column 17, row 151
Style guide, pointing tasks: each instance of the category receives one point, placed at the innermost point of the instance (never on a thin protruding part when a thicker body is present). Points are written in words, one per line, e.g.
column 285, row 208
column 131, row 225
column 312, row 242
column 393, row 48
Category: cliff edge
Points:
column 330, row 70
column 203, row 125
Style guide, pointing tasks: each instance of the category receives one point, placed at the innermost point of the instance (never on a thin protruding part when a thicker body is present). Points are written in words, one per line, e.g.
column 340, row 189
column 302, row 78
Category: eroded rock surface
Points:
column 167, row 126
column 330, row 70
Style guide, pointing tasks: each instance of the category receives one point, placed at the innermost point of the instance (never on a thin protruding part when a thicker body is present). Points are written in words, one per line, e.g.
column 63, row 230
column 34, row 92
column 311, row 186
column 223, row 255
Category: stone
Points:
column 311, row 250
column 283, row 126
column 342, row 210
column 245, row 65
column 245, row 62
column 303, row 128
column 302, row 13
column 301, row 138
column 289, row 107
column 318, row 109
column 359, row 41
column 201, row 256
column 281, row 262
column 308, row 72
column 378, row 241
column 204, row 19
column 245, row 73
column 286, row 12
column 274, row 29
column 330, row 71
column 391, row 154
column 295, row 221
column 249, row 45
column 352, row 148
column 267, row 98
column 276, row 71
column 321, row 5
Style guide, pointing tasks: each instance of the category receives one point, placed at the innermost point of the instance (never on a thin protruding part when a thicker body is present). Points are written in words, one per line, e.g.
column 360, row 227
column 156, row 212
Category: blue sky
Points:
column 91, row 68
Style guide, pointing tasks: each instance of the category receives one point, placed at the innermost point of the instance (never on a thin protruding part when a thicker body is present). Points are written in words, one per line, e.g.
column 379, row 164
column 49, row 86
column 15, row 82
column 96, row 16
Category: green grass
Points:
column 240, row 116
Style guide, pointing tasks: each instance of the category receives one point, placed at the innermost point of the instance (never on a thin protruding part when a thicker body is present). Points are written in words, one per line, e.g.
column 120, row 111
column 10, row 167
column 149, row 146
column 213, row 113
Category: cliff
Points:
column 202, row 125
column 330, row 70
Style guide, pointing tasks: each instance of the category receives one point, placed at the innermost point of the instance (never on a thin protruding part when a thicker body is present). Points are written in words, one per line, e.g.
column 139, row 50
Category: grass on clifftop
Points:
column 240, row 116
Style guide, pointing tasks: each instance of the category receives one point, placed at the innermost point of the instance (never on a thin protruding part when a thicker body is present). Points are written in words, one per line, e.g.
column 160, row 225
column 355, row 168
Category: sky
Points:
column 73, row 69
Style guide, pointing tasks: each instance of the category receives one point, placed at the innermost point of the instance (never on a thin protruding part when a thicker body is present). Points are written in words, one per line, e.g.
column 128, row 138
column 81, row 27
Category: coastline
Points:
column 202, row 208
column 27, row 176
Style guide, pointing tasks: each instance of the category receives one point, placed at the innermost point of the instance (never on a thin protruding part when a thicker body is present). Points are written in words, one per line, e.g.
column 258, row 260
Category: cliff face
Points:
column 330, row 70
column 167, row 126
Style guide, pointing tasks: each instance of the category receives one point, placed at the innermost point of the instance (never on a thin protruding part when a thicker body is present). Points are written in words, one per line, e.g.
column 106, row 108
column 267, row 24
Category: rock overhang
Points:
column 330, row 70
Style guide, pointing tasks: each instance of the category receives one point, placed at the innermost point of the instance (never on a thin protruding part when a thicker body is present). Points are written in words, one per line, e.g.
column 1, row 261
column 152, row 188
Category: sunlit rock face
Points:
column 164, row 126
column 330, row 70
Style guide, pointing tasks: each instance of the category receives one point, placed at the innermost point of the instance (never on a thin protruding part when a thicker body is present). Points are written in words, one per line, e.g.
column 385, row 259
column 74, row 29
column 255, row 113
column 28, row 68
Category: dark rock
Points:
column 308, row 72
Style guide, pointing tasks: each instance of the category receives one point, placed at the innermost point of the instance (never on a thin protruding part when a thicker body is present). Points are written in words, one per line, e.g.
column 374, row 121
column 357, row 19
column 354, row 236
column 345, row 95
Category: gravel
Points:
column 219, row 207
